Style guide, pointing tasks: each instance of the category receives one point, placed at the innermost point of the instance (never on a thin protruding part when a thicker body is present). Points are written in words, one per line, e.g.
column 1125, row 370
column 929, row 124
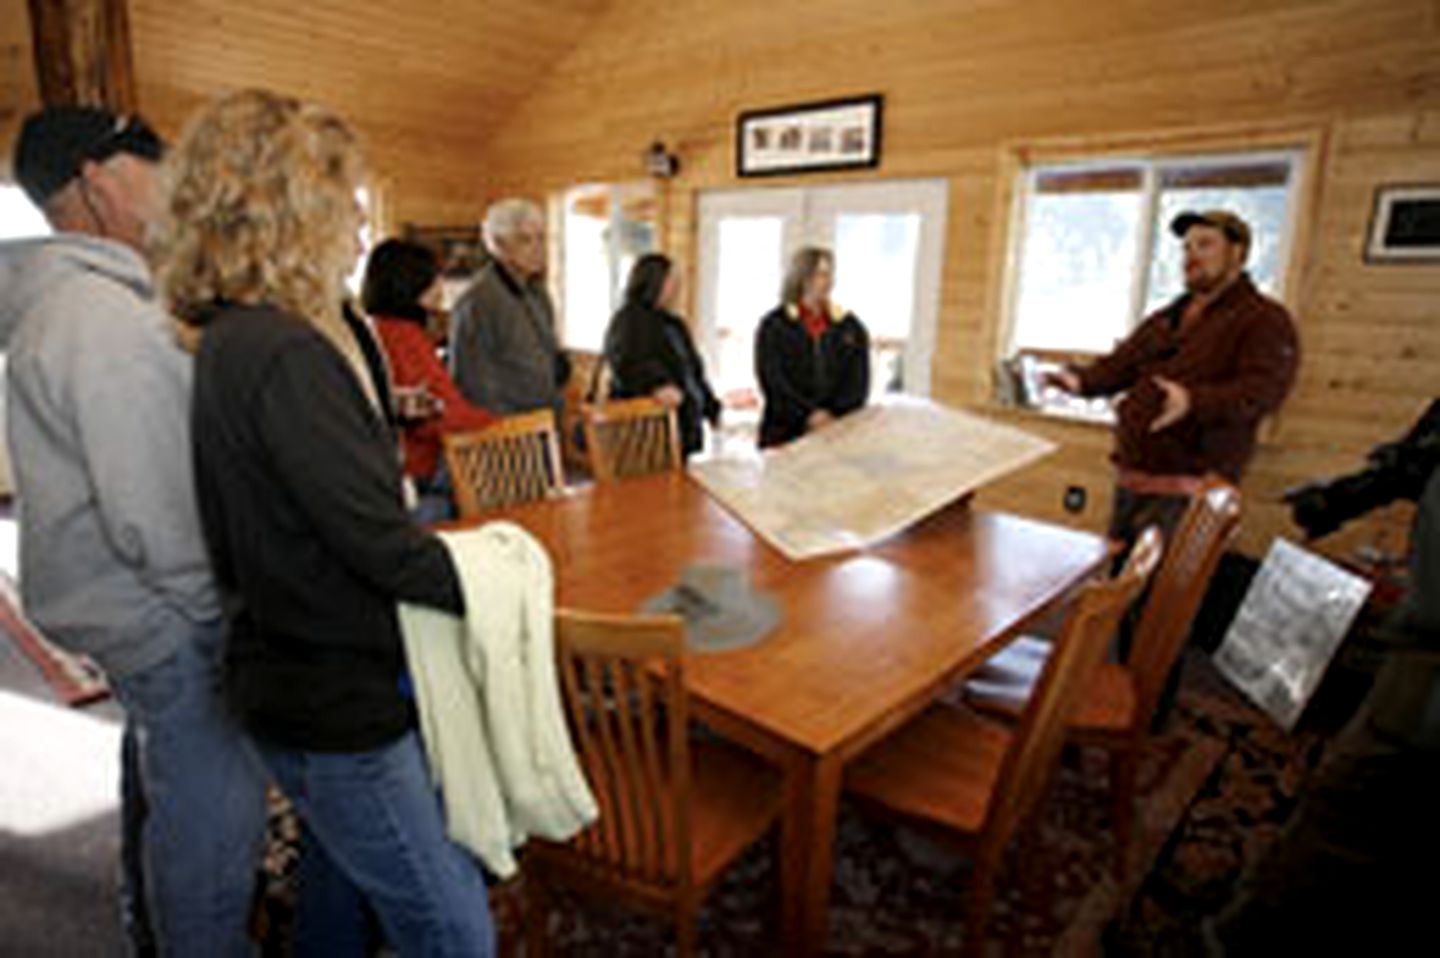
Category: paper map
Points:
column 866, row 476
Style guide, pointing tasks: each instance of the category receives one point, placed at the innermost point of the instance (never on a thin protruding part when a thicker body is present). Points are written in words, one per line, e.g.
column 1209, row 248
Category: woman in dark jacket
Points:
column 812, row 358
column 300, row 500
column 650, row 353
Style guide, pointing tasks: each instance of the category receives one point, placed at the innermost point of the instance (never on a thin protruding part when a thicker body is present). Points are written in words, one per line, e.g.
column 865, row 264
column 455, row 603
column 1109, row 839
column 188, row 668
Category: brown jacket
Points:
column 1237, row 359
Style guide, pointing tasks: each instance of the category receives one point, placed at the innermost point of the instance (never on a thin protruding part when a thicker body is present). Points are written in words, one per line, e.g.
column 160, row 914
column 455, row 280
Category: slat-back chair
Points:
column 674, row 813
column 1118, row 706
column 978, row 781
column 631, row 437
column 515, row 460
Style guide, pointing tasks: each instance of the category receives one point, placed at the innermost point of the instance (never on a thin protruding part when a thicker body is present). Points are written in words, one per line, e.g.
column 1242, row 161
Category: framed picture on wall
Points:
column 803, row 138
column 1405, row 225
column 459, row 248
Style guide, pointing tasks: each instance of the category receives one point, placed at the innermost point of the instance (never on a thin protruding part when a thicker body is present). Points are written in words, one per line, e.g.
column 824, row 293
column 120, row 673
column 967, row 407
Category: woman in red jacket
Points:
column 401, row 289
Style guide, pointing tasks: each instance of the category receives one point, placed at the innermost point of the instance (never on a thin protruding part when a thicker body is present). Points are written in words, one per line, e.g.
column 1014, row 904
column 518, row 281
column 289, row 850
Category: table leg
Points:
column 812, row 796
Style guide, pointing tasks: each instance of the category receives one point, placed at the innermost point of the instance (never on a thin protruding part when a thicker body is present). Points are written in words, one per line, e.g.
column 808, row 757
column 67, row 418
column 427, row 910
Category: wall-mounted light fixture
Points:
column 660, row 162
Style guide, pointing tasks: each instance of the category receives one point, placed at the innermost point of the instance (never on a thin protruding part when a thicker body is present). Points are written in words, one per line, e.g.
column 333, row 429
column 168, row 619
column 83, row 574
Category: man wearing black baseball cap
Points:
column 91, row 171
column 113, row 563
column 1198, row 376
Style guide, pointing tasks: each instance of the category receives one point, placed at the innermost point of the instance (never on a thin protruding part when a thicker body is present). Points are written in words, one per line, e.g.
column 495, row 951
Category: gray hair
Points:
column 803, row 264
column 505, row 217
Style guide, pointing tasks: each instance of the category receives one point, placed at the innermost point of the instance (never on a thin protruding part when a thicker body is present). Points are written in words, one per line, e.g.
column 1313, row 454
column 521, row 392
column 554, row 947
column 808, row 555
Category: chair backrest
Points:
column 631, row 437
column 514, row 460
column 1089, row 627
column 1191, row 557
column 623, row 679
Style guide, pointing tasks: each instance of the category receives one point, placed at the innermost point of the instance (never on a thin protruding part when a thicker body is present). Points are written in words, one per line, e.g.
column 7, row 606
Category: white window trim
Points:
column 1298, row 156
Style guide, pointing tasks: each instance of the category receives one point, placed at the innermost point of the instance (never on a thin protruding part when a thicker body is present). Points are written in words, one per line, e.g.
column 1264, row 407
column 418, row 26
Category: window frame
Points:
column 616, row 194
column 1306, row 145
column 1148, row 232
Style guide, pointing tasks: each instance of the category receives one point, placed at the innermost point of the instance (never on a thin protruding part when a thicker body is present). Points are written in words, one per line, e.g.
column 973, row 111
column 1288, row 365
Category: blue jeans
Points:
column 375, row 836
column 193, row 805
column 436, row 497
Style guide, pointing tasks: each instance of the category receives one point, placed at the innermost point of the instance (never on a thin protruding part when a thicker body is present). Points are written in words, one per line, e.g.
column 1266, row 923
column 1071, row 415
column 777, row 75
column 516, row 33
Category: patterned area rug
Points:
column 1215, row 785
column 1237, row 813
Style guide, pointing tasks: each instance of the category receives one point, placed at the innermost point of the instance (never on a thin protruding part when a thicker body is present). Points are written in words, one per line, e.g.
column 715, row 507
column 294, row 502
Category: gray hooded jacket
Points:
column 112, row 559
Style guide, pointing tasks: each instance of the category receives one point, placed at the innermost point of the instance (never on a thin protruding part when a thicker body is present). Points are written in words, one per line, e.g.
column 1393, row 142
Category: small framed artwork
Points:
column 459, row 249
column 803, row 138
column 1405, row 225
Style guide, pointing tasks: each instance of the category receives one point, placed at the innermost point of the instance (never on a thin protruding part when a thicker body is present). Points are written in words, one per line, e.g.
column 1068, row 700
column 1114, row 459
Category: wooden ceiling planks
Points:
column 426, row 85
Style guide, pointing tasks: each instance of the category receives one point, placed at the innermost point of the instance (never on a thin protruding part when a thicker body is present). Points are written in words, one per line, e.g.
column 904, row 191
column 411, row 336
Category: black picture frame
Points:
column 1404, row 224
column 826, row 135
column 460, row 249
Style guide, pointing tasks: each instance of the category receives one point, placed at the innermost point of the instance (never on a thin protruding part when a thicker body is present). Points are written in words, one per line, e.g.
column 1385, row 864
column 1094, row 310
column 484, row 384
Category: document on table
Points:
column 866, row 476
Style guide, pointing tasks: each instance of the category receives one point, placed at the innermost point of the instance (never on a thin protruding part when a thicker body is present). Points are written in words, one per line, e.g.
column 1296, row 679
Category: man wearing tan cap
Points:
column 1198, row 375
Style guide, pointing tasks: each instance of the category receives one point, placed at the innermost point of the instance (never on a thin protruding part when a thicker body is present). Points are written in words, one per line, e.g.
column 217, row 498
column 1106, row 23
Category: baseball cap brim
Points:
column 1234, row 228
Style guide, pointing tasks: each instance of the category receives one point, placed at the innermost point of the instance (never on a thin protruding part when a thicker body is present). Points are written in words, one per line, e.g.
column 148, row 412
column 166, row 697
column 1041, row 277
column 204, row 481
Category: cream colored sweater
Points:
column 488, row 695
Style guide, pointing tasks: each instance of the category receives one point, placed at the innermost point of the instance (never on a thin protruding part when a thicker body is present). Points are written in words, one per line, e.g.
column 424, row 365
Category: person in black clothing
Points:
column 811, row 357
column 299, row 489
column 650, row 353
column 1345, row 875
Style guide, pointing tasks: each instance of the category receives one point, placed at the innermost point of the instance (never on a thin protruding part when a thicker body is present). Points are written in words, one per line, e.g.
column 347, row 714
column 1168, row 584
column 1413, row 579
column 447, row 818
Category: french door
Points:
column 888, row 239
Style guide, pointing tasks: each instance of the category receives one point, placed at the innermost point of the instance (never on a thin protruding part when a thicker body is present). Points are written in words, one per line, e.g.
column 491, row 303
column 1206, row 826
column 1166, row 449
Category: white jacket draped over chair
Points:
column 488, row 696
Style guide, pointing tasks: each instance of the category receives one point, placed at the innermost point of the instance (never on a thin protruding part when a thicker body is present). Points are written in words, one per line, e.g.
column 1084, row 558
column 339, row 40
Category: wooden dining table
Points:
column 866, row 641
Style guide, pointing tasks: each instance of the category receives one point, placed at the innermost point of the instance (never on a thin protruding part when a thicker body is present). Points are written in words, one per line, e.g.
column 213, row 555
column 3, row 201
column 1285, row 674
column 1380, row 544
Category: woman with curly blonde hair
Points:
column 300, row 498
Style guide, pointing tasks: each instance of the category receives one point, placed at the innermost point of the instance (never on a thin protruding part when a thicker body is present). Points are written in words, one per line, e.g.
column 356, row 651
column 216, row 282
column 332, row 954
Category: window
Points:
column 883, row 250
column 367, row 241
column 1093, row 254
column 603, row 230
column 19, row 219
column 18, row 216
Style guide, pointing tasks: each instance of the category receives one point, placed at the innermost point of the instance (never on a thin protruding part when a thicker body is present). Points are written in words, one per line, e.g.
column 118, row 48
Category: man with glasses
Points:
column 112, row 560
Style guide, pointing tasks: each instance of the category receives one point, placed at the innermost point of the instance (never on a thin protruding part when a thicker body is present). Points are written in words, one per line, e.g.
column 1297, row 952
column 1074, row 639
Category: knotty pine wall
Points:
column 969, row 86
column 426, row 85
column 17, row 75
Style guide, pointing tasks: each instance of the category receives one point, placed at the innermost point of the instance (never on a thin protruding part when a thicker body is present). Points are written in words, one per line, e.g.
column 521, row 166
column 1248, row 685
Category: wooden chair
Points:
column 674, row 813
column 1118, row 705
column 631, row 437
column 515, row 460
column 977, row 781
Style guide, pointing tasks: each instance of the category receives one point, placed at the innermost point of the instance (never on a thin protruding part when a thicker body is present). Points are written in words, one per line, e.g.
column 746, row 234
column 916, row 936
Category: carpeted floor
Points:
column 1214, row 783
column 1217, row 784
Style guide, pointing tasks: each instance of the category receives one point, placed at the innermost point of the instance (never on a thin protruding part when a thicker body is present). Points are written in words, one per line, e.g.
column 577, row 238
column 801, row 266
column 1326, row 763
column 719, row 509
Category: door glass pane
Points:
column 1264, row 207
column 586, row 270
column 747, row 285
column 876, row 255
column 1077, row 259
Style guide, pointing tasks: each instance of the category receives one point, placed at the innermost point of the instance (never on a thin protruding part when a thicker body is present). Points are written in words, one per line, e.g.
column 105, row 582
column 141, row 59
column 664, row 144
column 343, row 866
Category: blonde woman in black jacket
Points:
column 300, row 499
column 812, row 358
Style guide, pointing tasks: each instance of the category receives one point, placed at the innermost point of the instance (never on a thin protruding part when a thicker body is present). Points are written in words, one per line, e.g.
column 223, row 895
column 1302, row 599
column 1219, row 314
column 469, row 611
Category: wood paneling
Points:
column 462, row 102
column 18, row 95
column 968, row 81
column 82, row 50
column 426, row 84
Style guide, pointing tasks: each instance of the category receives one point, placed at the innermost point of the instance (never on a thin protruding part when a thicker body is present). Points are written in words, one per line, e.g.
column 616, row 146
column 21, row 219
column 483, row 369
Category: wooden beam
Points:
column 82, row 53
